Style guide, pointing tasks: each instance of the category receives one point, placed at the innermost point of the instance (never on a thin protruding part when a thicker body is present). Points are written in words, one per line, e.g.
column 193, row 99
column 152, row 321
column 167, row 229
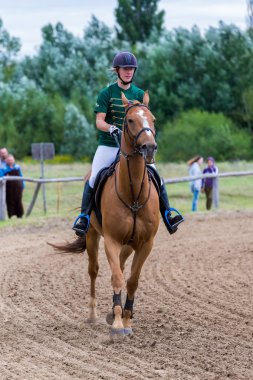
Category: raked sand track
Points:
column 193, row 311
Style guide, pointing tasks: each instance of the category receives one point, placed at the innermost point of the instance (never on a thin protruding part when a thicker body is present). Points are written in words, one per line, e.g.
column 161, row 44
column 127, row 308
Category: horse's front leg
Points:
column 139, row 258
column 113, row 249
column 124, row 254
column 92, row 243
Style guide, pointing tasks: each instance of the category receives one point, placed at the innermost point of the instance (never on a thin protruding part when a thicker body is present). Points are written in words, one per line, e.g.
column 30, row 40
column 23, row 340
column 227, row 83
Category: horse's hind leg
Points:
column 132, row 283
column 92, row 243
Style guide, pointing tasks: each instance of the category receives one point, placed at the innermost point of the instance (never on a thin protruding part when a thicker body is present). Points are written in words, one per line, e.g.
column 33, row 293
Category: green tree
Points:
column 182, row 69
column 208, row 134
column 248, row 107
column 29, row 115
column 37, row 102
column 187, row 69
column 137, row 19
column 75, row 68
column 79, row 136
column 9, row 48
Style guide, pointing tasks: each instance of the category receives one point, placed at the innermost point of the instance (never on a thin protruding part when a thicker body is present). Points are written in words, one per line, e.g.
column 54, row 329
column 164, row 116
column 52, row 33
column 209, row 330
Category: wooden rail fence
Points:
column 40, row 181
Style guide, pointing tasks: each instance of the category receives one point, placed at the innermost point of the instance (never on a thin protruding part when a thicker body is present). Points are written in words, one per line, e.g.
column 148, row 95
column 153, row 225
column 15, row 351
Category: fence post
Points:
column 42, row 176
column 2, row 198
column 29, row 210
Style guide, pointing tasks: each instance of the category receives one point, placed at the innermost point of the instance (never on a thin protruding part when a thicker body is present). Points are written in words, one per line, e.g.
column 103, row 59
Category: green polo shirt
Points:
column 109, row 102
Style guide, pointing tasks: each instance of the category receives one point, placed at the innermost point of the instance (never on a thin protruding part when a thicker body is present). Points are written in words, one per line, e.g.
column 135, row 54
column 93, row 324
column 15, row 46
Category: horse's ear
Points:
column 124, row 100
column 146, row 98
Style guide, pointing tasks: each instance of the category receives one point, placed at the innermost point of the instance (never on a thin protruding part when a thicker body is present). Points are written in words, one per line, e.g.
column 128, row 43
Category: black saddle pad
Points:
column 100, row 181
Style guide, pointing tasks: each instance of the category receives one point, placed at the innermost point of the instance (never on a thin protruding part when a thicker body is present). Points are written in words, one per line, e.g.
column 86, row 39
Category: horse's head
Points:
column 139, row 129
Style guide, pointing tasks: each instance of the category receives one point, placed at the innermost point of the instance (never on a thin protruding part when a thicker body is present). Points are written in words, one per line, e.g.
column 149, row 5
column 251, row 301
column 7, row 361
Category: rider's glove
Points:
column 114, row 131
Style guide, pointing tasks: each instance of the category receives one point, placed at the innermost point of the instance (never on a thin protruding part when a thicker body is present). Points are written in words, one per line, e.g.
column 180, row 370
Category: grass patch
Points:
column 63, row 199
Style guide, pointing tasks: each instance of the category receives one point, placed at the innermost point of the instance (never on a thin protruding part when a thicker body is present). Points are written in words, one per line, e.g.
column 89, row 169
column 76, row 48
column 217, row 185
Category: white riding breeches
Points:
column 104, row 157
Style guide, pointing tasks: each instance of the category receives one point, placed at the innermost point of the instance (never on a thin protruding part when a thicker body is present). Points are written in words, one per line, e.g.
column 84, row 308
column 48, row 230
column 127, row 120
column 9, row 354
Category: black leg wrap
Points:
column 116, row 299
column 129, row 305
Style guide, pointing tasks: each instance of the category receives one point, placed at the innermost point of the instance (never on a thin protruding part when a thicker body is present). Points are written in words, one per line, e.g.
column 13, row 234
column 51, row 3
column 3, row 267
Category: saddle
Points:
column 101, row 179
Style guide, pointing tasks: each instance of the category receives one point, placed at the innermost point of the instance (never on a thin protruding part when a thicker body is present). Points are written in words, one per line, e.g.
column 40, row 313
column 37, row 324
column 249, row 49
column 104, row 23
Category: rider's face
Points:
column 126, row 73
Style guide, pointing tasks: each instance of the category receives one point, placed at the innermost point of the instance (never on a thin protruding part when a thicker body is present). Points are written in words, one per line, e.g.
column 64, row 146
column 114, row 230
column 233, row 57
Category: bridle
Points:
column 134, row 138
column 135, row 206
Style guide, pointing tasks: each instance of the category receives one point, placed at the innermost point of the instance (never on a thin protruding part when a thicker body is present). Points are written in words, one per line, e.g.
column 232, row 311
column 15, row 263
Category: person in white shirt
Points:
column 195, row 185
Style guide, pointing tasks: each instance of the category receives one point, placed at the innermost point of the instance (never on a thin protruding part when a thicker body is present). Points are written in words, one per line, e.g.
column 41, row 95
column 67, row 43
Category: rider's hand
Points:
column 114, row 131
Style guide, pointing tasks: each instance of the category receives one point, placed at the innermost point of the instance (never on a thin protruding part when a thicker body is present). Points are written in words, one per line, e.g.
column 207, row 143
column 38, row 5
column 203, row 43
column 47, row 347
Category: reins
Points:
column 135, row 206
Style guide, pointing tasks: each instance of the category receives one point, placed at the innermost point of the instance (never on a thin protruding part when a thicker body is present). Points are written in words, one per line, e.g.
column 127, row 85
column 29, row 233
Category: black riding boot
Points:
column 82, row 222
column 170, row 222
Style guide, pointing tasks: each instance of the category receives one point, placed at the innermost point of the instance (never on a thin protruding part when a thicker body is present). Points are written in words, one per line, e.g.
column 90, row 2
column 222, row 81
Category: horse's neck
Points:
column 132, row 177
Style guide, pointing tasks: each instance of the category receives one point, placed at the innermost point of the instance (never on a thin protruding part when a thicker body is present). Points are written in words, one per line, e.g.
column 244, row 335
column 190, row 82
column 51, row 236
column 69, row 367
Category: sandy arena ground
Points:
column 193, row 309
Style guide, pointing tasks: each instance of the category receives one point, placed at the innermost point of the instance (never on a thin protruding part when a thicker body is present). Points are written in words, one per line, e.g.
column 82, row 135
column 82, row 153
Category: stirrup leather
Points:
column 168, row 213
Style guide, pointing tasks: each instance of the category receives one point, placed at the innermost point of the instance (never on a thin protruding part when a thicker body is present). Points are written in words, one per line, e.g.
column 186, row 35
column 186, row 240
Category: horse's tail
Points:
column 76, row 246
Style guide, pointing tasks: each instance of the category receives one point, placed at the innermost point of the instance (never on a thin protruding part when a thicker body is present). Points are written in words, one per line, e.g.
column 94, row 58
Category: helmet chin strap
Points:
column 122, row 81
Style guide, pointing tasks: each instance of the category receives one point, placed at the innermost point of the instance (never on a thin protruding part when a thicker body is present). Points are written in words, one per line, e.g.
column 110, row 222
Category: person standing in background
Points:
column 3, row 155
column 1, row 171
column 195, row 185
column 209, row 185
column 14, row 189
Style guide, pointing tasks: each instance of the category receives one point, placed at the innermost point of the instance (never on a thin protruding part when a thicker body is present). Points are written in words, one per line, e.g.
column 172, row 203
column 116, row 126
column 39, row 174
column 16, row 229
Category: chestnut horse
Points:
column 130, row 215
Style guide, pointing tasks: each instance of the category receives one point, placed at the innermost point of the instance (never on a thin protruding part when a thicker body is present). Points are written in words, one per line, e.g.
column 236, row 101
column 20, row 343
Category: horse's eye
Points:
column 130, row 120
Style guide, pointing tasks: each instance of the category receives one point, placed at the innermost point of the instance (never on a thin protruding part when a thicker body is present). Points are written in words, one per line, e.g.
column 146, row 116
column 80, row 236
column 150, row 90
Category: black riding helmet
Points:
column 124, row 59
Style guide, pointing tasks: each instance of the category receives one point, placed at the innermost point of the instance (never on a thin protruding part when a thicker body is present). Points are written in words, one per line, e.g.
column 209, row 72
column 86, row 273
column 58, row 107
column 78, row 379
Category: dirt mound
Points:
column 193, row 309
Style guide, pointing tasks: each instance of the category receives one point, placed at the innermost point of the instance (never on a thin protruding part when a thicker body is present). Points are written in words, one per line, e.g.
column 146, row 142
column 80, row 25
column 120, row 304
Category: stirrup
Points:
column 79, row 231
column 168, row 213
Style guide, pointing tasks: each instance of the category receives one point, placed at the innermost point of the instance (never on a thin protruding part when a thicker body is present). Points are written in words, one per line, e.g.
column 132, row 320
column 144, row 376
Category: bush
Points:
column 208, row 134
column 61, row 159
column 58, row 159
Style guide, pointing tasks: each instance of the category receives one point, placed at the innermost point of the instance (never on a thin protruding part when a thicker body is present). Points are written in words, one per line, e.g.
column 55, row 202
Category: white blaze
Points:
column 144, row 121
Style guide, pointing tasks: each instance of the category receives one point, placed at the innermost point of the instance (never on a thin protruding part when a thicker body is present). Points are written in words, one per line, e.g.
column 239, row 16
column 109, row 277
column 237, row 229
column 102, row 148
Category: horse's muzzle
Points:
column 148, row 152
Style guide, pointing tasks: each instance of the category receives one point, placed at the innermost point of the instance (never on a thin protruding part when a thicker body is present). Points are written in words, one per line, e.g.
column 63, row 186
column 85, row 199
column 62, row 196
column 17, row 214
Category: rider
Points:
column 109, row 119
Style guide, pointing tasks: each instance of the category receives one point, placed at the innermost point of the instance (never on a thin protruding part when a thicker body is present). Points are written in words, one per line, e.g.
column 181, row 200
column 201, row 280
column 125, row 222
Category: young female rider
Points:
column 109, row 119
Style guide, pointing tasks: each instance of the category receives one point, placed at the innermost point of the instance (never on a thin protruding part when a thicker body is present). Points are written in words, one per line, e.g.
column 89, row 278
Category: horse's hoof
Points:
column 128, row 331
column 115, row 331
column 109, row 318
column 117, row 334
